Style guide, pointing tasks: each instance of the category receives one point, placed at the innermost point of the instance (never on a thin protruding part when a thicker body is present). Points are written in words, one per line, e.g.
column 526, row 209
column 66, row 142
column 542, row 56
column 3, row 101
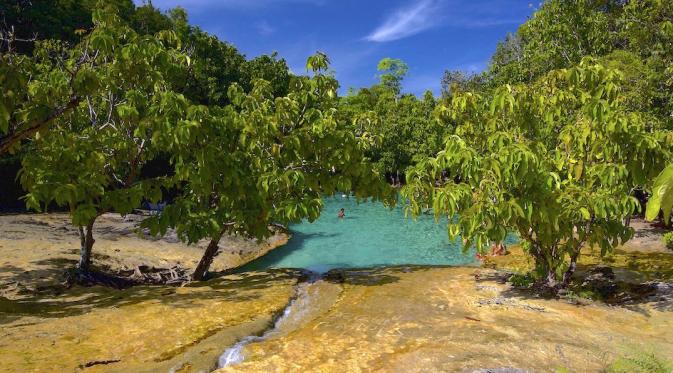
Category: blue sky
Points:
column 429, row 35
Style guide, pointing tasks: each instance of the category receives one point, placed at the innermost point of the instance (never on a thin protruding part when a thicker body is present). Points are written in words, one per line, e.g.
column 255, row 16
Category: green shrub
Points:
column 522, row 280
column 640, row 362
column 668, row 240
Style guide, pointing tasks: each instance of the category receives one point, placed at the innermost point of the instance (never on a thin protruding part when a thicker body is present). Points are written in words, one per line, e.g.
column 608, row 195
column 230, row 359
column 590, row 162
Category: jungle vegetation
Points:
column 560, row 140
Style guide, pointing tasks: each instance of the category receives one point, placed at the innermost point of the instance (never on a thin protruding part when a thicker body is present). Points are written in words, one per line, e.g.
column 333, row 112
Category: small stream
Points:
column 311, row 298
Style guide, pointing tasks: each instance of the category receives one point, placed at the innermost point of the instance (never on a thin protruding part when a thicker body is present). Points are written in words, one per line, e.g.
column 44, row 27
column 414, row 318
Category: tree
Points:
column 558, row 35
column 264, row 160
column 35, row 93
column 401, row 124
column 555, row 161
column 647, row 31
column 90, row 158
column 216, row 65
column 393, row 72
column 53, row 27
column 270, row 68
column 455, row 81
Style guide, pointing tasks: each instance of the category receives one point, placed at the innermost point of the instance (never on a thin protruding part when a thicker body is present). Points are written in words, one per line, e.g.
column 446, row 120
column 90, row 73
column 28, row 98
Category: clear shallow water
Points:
column 369, row 236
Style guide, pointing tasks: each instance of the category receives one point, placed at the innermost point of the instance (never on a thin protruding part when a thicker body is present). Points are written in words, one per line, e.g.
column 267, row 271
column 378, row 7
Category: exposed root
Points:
column 141, row 275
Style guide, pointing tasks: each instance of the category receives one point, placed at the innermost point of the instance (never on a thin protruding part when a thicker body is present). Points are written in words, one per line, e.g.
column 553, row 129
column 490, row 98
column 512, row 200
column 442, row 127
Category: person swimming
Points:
column 342, row 213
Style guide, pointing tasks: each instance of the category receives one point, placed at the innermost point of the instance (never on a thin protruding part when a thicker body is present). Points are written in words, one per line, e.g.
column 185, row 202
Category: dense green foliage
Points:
column 640, row 362
column 555, row 161
column 90, row 158
column 265, row 160
column 244, row 143
column 555, row 141
column 403, row 127
column 634, row 36
column 668, row 240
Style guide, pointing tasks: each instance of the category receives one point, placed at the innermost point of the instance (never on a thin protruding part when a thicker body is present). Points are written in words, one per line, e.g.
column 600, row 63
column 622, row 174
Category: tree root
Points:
column 141, row 275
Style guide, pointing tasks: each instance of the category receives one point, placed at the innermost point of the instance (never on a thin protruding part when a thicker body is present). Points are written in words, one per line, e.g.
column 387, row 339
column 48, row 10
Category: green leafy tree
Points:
column 216, row 65
column 36, row 39
column 555, row 161
column 270, row 68
column 647, row 31
column 393, row 72
column 90, row 158
column 402, row 125
column 265, row 160
column 558, row 35
column 455, row 81
column 36, row 91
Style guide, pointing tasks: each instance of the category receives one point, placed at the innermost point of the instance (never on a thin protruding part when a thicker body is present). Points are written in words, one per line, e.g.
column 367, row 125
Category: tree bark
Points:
column 207, row 259
column 86, row 244
column 567, row 276
column 550, row 280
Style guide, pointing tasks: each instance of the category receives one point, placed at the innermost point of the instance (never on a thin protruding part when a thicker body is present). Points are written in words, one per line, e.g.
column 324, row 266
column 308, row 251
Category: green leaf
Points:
column 662, row 195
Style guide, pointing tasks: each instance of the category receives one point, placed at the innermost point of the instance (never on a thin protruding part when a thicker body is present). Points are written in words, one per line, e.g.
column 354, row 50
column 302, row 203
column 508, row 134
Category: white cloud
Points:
column 404, row 22
column 264, row 28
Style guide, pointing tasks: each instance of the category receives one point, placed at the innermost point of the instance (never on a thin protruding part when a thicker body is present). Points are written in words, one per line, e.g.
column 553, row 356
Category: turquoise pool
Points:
column 369, row 236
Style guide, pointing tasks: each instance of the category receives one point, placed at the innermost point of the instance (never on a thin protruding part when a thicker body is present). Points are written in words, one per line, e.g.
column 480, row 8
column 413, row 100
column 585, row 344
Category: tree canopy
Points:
column 555, row 161
column 558, row 141
column 265, row 160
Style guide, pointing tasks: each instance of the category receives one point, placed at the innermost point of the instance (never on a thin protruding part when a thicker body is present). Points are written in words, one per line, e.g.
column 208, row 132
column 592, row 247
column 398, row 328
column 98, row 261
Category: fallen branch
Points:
column 99, row 362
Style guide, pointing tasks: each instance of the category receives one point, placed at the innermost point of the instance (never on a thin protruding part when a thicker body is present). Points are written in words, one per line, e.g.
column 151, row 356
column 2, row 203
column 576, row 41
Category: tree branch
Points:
column 8, row 141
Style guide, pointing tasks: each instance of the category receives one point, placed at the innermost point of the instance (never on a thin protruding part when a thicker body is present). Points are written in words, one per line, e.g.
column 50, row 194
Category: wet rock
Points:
column 603, row 271
column 601, row 280
column 509, row 302
column 658, row 293
column 336, row 275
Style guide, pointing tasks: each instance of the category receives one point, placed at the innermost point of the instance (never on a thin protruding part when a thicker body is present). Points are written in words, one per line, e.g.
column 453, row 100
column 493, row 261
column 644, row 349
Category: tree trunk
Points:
column 86, row 244
column 567, row 276
column 550, row 280
column 207, row 259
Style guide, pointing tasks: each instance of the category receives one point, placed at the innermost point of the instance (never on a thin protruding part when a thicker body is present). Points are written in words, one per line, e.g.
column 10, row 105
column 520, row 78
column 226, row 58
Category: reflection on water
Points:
column 370, row 235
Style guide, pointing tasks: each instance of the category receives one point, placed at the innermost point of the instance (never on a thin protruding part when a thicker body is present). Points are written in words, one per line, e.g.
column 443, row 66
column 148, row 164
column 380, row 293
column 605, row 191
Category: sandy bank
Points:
column 36, row 249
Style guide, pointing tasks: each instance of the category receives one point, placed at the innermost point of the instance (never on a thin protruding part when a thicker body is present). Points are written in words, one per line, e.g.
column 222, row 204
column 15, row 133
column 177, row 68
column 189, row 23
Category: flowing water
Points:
column 311, row 298
column 370, row 235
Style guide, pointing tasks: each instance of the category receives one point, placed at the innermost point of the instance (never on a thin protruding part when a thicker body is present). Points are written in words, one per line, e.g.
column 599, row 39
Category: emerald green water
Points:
column 370, row 235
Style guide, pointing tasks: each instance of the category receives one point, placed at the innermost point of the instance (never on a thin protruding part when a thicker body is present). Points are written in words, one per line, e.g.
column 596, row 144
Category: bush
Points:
column 668, row 240
column 640, row 362
column 522, row 280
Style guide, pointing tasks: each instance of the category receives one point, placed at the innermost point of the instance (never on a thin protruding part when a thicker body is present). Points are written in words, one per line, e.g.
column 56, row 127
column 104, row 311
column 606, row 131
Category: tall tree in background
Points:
column 558, row 35
column 403, row 124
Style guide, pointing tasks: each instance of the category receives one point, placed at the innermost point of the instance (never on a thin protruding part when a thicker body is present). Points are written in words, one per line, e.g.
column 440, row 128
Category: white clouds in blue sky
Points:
column 430, row 35
column 422, row 15
column 264, row 28
column 407, row 21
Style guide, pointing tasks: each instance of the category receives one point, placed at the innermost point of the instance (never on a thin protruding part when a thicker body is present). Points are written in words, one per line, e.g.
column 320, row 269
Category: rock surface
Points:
column 448, row 319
